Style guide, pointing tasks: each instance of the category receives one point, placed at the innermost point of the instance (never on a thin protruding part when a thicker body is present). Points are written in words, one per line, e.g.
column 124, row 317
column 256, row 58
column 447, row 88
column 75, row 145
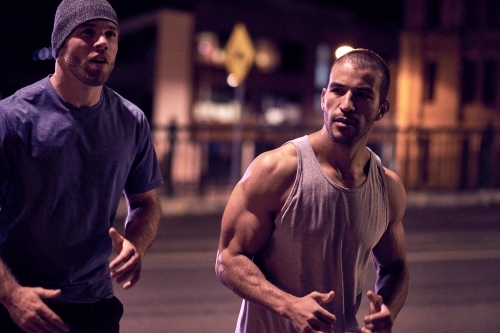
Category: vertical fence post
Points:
column 235, row 172
column 168, row 177
column 423, row 139
column 485, row 157
column 464, row 165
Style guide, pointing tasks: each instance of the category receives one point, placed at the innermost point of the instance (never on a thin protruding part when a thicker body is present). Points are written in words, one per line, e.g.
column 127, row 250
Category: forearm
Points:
column 245, row 279
column 8, row 284
column 392, row 285
column 142, row 224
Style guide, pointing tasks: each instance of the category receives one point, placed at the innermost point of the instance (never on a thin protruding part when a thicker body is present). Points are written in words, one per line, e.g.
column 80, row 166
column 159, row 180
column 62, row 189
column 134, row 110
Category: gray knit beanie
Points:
column 71, row 13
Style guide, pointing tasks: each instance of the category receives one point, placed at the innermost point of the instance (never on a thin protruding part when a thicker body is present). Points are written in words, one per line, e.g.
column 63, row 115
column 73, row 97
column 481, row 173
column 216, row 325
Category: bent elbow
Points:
column 219, row 266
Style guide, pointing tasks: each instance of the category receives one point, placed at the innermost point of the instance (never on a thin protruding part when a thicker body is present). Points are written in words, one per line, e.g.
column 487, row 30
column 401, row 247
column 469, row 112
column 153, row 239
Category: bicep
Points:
column 248, row 219
column 246, row 225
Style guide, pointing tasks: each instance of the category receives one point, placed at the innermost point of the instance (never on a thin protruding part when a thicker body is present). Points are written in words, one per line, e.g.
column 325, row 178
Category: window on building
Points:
column 135, row 67
column 430, row 81
column 218, row 106
column 138, row 46
column 322, row 66
column 292, row 57
column 268, row 56
column 472, row 15
column 490, row 78
column 280, row 108
column 469, row 82
column 324, row 59
column 434, row 13
column 208, row 49
column 492, row 19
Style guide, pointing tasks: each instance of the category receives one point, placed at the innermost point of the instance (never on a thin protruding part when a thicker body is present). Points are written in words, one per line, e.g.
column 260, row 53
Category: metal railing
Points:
column 200, row 158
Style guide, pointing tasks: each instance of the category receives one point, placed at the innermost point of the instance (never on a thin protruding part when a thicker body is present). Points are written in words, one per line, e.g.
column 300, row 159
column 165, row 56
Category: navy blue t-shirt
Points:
column 62, row 172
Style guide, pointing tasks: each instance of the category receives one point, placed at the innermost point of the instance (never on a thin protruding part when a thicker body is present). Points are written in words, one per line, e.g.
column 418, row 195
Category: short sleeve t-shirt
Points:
column 62, row 173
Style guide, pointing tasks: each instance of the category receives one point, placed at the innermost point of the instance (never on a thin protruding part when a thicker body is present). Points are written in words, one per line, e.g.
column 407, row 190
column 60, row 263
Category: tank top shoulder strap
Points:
column 377, row 169
column 305, row 153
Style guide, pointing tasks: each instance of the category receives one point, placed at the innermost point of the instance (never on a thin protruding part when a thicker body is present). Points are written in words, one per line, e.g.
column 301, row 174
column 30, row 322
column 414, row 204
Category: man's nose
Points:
column 347, row 104
column 102, row 41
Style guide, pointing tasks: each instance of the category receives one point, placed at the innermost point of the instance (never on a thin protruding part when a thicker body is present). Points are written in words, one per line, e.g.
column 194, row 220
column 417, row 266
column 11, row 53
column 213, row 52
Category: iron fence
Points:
column 199, row 159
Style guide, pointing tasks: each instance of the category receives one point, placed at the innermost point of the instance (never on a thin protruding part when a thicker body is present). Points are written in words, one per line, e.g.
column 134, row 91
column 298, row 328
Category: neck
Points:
column 343, row 154
column 346, row 164
column 73, row 91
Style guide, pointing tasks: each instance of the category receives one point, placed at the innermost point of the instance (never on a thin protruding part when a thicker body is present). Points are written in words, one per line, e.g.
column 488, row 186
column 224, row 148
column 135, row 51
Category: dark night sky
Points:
column 26, row 25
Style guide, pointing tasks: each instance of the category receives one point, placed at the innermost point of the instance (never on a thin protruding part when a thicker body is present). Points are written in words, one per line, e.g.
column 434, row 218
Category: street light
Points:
column 232, row 80
column 340, row 51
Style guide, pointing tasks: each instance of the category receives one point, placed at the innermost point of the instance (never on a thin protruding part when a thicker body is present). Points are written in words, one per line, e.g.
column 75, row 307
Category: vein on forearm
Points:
column 245, row 279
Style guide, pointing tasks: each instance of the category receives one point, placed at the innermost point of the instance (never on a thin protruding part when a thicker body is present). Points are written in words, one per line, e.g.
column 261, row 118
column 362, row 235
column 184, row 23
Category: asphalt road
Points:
column 454, row 258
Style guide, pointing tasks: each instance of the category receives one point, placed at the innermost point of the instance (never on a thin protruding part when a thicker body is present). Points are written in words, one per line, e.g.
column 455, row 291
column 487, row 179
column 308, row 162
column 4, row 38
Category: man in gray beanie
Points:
column 71, row 13
column 69, row 148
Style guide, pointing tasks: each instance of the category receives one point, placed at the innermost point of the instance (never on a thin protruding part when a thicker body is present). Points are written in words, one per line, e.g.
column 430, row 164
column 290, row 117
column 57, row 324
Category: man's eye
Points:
column 364, row 95
column 88, row 32
column 111, row 34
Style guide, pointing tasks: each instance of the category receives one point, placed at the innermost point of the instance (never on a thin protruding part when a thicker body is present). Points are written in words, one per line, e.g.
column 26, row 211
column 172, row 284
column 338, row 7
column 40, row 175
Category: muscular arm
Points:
column 390, row 253
column 141, row 228
column 389, row 257
column 234, row 266
column 247, row 224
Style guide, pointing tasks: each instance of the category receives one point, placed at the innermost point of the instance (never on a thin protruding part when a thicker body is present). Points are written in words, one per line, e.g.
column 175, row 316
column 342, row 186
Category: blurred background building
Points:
column 176, row 59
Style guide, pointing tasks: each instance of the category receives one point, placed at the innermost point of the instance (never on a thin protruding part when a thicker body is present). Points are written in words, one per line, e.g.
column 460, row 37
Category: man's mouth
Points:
column 345, row 121
column 99, row 60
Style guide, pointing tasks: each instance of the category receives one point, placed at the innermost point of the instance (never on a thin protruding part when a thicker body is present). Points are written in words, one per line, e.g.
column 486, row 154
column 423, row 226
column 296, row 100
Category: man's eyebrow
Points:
column 92, row 24
column 359, row 89
column 365, row 89
column 336, row 84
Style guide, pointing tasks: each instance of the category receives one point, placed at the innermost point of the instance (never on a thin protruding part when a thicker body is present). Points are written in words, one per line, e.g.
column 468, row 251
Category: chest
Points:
column 93, row 132
column 350, row 179
column 320, row 210
column 67, row 144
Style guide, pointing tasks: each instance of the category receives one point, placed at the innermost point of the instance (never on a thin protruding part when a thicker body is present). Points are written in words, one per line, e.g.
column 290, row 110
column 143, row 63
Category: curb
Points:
column 215, row 204
column 426, row 199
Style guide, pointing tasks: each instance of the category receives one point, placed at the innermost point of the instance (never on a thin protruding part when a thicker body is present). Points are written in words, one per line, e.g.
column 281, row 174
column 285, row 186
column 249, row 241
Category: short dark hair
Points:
column 367, row 59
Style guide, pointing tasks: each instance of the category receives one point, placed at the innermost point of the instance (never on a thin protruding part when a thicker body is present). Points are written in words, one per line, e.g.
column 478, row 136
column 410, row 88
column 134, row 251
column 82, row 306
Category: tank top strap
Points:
column 305, row 153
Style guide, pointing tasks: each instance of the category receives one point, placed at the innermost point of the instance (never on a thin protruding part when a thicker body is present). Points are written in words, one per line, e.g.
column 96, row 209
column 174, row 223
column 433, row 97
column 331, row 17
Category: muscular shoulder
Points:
column 277, row 161
column 396, row 195
column 272, row 173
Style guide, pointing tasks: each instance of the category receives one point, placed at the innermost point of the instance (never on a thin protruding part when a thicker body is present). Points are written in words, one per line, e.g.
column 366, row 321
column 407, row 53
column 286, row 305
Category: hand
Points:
column 379, row 319
column 307, row 314
column 31, row 314
column 127, row 265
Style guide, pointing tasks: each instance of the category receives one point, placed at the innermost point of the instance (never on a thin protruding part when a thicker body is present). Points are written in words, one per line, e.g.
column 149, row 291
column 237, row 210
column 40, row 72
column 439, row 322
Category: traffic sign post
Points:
column 240, row 55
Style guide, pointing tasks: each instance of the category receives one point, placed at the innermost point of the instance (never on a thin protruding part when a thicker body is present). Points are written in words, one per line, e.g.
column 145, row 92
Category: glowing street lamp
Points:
column 340, row 51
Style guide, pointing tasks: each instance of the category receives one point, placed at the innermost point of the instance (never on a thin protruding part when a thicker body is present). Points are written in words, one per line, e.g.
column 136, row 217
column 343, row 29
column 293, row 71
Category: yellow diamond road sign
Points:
column 240, row 53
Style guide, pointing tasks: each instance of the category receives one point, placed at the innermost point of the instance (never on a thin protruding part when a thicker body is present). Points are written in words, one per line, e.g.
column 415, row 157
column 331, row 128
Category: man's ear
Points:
column 383, row 109
column 323, row 99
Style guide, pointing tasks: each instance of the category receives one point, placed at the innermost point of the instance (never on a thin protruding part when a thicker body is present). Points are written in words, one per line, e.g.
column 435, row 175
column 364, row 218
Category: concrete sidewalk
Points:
column 484, row 197
column 215, row 203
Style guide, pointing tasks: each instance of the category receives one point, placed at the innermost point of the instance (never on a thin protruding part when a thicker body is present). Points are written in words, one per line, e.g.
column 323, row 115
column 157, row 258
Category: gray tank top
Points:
column 321, row 241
